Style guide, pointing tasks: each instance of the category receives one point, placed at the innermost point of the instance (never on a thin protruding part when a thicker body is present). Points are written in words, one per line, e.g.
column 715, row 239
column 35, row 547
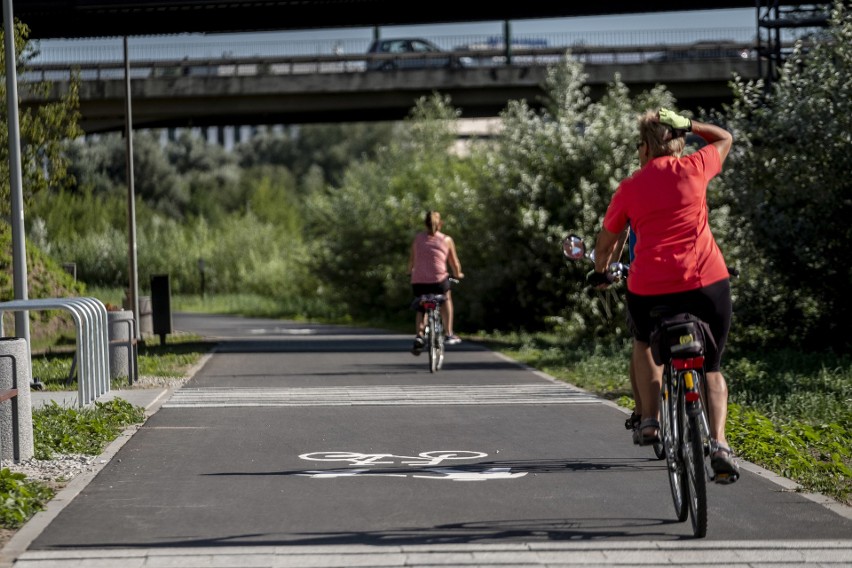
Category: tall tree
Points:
column 43, row 128
column 789, row 193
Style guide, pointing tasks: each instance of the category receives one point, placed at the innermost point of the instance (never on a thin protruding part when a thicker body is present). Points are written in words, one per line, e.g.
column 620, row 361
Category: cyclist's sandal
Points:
column 649, row 432
column 725, row 469
column 632, row 423
column 419, row 344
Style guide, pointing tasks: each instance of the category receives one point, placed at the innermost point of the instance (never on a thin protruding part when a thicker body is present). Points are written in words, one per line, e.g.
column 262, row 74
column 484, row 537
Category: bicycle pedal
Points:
column 725, row 478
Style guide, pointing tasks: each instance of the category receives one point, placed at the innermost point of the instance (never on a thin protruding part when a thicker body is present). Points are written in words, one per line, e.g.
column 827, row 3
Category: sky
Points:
column 663, row 20
column 689, row 20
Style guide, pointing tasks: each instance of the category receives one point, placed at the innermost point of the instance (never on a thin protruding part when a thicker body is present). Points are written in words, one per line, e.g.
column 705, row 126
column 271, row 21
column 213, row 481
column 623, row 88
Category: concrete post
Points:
column 120, row 347
column 16, row 414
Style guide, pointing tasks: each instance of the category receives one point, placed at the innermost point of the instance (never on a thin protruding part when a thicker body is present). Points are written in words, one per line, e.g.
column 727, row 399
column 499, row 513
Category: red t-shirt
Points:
column 666, row 205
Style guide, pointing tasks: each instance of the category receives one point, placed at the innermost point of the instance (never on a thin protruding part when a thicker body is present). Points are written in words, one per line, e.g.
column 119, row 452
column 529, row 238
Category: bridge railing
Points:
column 220, row 66
column 88, row 51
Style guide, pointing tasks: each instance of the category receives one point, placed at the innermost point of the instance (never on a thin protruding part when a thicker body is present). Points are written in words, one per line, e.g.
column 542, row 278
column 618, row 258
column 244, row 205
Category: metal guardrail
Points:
column 222, row 66
column 90, row 319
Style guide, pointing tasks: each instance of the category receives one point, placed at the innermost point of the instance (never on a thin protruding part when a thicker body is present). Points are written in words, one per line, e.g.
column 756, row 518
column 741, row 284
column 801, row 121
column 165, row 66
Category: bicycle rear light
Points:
column 429, row 305
column 690, row 363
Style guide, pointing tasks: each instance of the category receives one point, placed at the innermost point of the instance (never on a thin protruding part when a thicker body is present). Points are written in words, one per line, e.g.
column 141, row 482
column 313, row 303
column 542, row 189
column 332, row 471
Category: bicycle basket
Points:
column 678, row 337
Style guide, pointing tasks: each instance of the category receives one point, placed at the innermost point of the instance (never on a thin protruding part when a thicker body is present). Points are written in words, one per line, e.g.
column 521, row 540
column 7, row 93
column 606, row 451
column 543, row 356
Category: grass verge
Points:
column 58, row 430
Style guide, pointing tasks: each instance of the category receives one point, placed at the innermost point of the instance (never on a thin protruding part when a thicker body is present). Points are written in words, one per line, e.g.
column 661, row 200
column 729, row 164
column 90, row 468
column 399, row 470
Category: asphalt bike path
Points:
column 312, row 445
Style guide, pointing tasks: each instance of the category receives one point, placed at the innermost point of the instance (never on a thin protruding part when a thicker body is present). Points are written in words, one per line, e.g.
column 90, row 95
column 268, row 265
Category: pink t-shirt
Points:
column 430, row 258
column 665, row 202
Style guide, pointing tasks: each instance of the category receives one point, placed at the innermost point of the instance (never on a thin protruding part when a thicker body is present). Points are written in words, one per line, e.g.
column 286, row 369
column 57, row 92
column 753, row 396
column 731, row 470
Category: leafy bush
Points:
column 57, row 429
column 20, row 498
column 788, row 192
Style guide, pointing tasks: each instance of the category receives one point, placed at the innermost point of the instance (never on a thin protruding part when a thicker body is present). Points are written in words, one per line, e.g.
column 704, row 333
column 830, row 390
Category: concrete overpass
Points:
column 338, row 89
column 93, row 18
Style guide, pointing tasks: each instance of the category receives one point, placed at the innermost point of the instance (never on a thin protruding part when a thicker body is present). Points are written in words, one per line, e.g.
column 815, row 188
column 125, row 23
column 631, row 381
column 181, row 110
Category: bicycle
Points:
column 679, row 341
column 574, row 248
column 679, row 344
column 434, row 332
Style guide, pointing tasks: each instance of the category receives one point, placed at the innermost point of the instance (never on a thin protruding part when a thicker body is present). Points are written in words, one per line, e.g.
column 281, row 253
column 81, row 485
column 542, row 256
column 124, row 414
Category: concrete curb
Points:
column 22, row 539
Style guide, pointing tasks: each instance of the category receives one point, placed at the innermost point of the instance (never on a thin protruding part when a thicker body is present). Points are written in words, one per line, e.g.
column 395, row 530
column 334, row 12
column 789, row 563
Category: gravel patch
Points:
column 60, row 469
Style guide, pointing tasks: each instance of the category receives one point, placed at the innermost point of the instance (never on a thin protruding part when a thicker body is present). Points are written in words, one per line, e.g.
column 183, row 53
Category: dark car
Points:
column 705, row 50
column 410, row 53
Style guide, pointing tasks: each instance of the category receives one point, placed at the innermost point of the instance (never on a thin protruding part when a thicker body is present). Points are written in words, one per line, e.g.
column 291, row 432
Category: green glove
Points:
column 676, row 121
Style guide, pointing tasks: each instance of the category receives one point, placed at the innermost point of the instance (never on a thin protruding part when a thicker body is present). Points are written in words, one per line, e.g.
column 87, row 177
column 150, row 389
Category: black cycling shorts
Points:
column 711, row 303
column 436, row 288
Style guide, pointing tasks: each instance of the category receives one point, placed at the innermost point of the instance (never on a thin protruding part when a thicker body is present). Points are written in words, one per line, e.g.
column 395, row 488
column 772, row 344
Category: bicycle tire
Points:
column 432, row 340
column 671, row 435
column 693, row 457
column 440, row 350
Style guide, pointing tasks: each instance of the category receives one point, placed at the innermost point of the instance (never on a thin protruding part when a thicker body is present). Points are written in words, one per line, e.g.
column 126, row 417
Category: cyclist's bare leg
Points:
column 447, row 314
column 420, row 323
column 649, row 379
column 637, row 397
column 717, row 398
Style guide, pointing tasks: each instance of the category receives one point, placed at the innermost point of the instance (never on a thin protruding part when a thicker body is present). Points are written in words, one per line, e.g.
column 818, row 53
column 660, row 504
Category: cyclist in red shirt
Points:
column 678, row 263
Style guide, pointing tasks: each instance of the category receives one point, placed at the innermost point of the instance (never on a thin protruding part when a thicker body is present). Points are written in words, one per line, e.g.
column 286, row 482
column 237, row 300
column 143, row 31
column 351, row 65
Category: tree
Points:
column 331, row 147
column 789, row 195
column 43, row 128
column 553, row 174
column 361, row 231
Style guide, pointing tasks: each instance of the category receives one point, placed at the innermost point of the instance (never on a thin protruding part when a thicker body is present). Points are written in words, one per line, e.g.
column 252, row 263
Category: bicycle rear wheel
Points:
column 693, row 458
column 671, row 432
column 432, row 340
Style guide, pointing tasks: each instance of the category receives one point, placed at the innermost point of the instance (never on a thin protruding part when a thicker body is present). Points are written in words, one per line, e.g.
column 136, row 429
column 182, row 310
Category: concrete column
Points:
column 16, row 414
column 119, row 329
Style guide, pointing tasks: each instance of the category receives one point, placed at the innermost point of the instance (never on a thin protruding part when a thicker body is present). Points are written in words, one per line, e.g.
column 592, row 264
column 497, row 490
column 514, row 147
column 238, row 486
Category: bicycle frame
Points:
column 434, row 333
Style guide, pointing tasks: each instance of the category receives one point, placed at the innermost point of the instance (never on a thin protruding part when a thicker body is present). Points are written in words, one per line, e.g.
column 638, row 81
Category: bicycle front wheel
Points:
column 671, row 433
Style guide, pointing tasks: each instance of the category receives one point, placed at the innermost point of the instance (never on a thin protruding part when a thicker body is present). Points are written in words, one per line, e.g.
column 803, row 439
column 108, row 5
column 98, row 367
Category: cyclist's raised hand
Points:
column 674, row 120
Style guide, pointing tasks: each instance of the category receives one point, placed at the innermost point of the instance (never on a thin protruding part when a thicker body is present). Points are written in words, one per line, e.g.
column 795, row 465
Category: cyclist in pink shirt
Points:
column 677, row 263
column 430, row 253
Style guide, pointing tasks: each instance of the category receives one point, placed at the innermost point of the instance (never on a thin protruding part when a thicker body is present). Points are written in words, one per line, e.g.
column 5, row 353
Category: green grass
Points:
column 173, row 359
column 59, row 430
column 20, row 498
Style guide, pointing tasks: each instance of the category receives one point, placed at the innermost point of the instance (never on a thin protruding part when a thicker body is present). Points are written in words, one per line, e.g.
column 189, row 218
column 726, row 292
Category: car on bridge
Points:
column 705, row 50
column 410, row 53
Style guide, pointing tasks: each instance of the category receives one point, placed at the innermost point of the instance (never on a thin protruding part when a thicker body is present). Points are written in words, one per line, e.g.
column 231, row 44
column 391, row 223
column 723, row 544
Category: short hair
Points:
column 432, row 221
column 658, row 136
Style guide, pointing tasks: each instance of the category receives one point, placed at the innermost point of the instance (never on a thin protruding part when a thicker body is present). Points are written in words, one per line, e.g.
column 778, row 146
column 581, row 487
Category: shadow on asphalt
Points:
column 488, row 531
column 515, row 466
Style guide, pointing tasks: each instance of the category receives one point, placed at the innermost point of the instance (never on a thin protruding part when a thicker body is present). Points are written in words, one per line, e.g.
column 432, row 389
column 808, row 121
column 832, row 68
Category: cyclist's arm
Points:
column 453, row 258
column 715, row 135
column 621, row 243
column 605, row 248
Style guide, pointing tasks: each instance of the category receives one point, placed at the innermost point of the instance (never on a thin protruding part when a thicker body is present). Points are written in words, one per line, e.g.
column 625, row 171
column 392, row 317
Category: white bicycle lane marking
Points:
column 421, row 461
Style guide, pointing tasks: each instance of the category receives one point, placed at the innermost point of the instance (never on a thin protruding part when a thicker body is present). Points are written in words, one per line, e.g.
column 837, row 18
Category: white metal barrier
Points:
column 90, row 319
